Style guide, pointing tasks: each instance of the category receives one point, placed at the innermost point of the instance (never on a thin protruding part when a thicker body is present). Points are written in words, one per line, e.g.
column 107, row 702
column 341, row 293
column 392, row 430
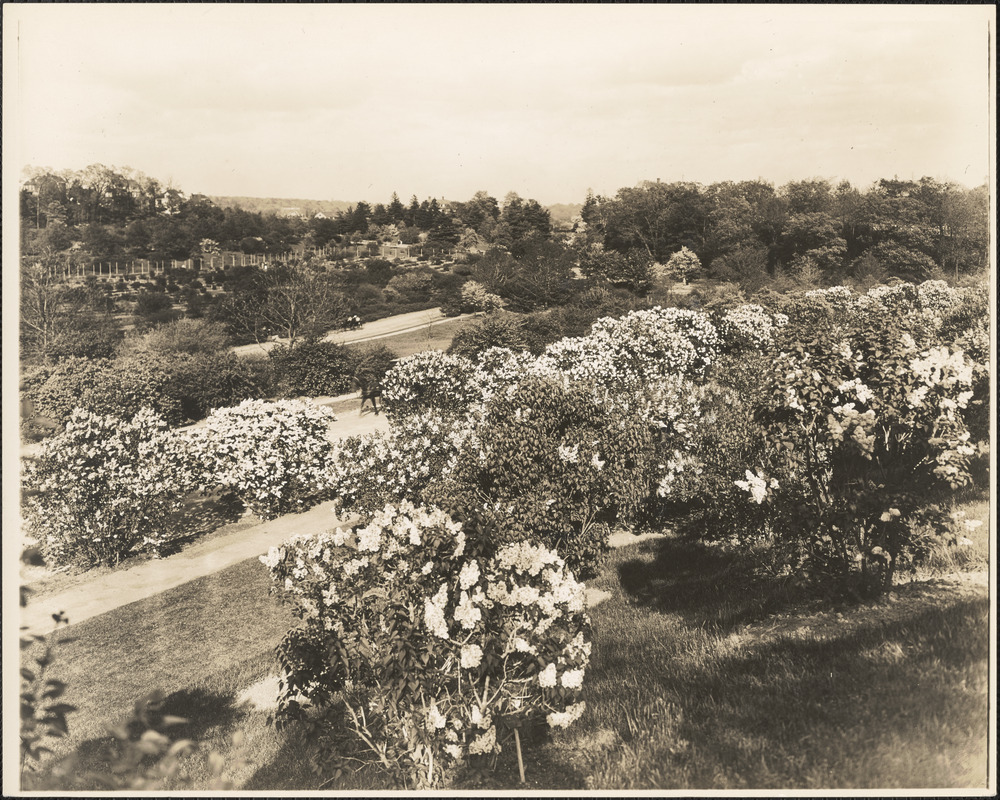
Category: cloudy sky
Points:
column 354, row 102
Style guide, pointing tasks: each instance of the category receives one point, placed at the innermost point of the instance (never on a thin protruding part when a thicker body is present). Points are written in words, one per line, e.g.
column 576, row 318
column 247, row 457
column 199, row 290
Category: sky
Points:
column 354, row 102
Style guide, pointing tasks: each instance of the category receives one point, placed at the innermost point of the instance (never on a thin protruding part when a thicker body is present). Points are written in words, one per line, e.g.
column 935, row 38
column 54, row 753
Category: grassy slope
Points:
column 699, row 680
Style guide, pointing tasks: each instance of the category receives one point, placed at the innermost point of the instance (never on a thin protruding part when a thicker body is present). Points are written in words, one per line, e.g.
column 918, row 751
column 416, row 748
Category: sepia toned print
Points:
column 555, row 398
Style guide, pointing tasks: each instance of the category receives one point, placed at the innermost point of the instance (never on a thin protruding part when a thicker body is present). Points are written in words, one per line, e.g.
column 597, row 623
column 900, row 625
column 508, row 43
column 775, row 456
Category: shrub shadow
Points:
column 824, row 686
column 202, row 711
column 200, row 516
column 705, row 585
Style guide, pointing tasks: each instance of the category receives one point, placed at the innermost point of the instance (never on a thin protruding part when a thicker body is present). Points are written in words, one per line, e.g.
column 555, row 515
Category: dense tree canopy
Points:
column 910, row 229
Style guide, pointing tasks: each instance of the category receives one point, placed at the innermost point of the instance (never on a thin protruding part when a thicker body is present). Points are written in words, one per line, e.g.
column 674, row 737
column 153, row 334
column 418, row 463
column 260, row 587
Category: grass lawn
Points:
column 700, row 678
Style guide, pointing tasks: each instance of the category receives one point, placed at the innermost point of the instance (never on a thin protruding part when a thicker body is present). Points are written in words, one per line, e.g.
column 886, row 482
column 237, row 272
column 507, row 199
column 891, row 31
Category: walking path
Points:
column 378, row 329
column 110, row 591
column 104, row 593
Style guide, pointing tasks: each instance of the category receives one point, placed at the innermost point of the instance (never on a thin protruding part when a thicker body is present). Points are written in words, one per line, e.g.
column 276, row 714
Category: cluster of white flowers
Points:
column 563, row 719
column 847, row 421
column 855, row 388
column 580, row 358
column 937, row 298
column 498, row 369
column 940, row 367
column 387, row 466
column 748, row 326
column 902, row 298
column 522, row 604
column 431, row 379
column 675, row 468
column 840, row 297
column 271, row 454
column 757, row 485
column 104, row 486
column 628, row 353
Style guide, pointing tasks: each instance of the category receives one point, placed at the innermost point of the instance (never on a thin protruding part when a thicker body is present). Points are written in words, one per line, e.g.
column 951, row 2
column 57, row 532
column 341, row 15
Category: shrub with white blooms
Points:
column 272, row 455
column 747, row 327
column 628, row 353
column 102, row 489
column 368, row 471
column 437, row 644
column 853, row 426
column 498, row 369
column 429, row 380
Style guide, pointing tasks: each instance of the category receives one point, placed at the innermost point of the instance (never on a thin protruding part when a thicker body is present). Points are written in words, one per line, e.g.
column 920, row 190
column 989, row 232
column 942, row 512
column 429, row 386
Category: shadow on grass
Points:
column 202, row 710
column 705, row 585
column 310, row 754
column 200, row 516
column 898, row 703
column 546, row 767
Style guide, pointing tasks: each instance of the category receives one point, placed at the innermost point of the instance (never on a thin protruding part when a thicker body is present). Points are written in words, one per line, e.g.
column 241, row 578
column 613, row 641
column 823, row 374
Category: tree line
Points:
column 107, row 213
column 741, row 231
column 746, row 230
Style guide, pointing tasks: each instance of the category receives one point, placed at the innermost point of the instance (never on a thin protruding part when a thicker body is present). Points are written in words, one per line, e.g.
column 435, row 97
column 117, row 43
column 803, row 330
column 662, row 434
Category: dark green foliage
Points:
column 533, row 491
column 500, row 329
column 313, row 369
column 116, row 387
column 371, row 363
column 202, row 382
column 93, row 337
column 148, row 304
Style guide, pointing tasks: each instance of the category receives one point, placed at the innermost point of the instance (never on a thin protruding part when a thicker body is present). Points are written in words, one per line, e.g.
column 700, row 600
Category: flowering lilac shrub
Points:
column 367, row 472
column 839, row 297
column 675, row 413
column 553, row 464
column 476, row 298
column 626, row 354
column 747, row 327
column 581, row 359
column 862, row 434
column 430, row 380
column 498, row 369
column 101, row 489
column 437, row 644
column 660, row 342
column 937, row 298
column 272, row 455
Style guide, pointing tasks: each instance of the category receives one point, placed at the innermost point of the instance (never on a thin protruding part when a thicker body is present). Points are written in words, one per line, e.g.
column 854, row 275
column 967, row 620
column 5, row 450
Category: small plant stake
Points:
column 520, row 762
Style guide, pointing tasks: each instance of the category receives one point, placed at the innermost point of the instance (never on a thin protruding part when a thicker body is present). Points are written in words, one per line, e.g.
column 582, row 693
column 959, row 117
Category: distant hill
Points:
column 561, row 212
column 274, row 205
column 564, row 212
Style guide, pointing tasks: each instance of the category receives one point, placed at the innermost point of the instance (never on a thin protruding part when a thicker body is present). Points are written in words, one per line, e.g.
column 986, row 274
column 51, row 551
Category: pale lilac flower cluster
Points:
column 431, row 379
column 757, row 485
column 748, row 326
column 371, row 470
column 104, row 486
column 524, row 594
column 271, row 454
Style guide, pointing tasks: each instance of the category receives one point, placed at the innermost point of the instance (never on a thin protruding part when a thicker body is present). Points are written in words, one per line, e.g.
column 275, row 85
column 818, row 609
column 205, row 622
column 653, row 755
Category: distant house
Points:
column 294, row 213
column 320, row 215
